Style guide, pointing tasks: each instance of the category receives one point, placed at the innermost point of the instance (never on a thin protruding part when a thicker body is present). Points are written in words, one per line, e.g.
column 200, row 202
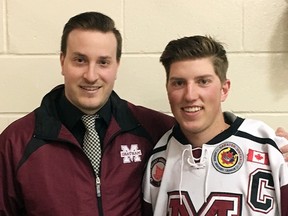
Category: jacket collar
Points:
column 49, row 126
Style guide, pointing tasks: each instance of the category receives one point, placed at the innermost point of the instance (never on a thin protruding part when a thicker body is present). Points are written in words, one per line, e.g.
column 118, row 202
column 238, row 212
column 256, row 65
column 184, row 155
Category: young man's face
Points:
column 89, row 68
column 195, row 94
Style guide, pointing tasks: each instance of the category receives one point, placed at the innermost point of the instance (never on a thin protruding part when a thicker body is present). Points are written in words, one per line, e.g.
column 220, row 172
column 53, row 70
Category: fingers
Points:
column 281, row 132
column 284, row 149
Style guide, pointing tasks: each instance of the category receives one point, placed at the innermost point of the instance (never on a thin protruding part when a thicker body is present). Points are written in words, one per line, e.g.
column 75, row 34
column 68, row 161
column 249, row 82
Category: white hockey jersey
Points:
column 239, row 172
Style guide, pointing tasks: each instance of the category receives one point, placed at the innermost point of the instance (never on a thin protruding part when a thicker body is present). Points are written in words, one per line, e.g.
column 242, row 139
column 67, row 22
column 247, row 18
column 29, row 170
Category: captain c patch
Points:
column 227, row 158
column 157, row 170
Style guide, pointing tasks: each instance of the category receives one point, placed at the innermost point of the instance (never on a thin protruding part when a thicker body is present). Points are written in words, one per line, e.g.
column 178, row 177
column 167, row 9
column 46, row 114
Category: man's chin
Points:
column 89, row 108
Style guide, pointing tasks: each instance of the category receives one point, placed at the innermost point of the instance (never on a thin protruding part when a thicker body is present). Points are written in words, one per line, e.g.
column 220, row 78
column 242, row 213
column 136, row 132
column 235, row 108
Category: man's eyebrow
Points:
column 173, row 79
column 204, row 76
column 78, row 54
column 105, row 57
column 197, row 77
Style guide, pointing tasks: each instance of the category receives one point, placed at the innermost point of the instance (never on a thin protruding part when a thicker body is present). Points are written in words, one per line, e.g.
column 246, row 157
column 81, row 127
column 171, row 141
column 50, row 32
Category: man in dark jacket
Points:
column 43, row 168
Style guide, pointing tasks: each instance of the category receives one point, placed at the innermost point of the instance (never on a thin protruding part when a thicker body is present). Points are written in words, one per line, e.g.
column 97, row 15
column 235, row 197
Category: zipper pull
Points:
column 98, row 183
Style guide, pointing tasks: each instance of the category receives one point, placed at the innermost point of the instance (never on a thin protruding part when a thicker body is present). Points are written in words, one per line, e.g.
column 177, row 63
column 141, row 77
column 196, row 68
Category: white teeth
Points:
column 90, row 88
column 192, row 109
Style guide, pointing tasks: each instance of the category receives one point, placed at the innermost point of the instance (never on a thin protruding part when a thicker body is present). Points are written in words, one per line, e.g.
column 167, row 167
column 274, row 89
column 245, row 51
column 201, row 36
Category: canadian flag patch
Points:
column 258, row 157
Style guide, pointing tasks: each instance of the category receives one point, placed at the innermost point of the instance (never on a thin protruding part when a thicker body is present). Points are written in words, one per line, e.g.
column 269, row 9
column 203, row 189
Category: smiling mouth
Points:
column 192, row 109
column 90, row 88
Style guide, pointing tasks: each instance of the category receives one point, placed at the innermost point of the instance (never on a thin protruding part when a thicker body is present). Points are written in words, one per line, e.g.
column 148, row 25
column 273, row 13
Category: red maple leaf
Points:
column 259, row 157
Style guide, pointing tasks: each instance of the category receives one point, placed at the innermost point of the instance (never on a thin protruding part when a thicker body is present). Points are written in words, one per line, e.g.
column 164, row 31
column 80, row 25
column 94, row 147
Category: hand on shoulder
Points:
column 284, row 149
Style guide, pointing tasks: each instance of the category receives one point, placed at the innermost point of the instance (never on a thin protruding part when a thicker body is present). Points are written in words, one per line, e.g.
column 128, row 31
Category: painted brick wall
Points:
column 255, row 34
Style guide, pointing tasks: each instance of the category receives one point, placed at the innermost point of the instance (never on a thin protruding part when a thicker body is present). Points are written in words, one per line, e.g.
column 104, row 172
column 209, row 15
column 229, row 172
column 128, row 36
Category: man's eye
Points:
column 104, row 62
column 204, row 81
column 177, row 83
column 79, row 60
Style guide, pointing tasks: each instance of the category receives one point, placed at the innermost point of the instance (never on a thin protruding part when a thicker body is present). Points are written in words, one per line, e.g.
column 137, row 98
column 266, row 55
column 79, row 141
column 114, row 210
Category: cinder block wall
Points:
column 255, row 34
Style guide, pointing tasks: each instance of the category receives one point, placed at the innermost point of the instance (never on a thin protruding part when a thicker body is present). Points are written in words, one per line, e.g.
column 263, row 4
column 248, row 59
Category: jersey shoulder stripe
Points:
column 260, row 132
column 256, row 139
column 163, row 142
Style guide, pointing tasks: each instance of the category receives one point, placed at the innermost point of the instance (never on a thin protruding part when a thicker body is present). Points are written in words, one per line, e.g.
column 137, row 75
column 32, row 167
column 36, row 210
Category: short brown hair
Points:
column 196, row 47
column 91, row 21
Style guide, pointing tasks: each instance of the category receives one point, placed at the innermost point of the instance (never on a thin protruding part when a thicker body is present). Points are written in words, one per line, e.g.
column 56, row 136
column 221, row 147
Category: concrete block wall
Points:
column 255, row 34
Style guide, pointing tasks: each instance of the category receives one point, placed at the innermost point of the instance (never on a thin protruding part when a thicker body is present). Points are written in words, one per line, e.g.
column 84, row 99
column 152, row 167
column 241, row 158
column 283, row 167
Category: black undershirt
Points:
column 70, row 116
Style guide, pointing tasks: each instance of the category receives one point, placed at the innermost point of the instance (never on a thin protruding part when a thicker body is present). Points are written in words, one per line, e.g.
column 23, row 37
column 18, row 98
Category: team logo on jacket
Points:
column 227, row 158
column 157, row 170
column 131, row 154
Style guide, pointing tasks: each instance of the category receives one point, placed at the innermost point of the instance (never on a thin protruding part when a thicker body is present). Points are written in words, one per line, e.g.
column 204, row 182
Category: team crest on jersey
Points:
column 227, row 158
column 157, row 170
column 131, row 154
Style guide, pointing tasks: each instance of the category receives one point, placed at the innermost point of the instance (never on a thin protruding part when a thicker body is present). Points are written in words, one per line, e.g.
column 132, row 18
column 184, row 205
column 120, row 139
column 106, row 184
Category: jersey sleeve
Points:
column 153, row 175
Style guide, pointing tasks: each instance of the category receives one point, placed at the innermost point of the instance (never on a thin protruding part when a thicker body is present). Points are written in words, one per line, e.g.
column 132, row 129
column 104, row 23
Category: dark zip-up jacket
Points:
column 43, row 170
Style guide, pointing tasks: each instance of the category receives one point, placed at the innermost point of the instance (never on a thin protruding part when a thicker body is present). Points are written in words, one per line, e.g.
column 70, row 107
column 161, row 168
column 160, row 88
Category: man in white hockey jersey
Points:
column 211, row 163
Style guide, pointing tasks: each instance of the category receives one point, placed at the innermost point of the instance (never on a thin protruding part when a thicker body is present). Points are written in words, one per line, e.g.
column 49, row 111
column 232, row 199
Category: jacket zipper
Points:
column 98, row 194
column 98, row 181
column 98, row 184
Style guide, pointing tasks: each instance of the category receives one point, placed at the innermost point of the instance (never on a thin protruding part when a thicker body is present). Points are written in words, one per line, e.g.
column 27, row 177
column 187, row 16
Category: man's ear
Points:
column 225, row 90
column 118, row 64
column 62, row 58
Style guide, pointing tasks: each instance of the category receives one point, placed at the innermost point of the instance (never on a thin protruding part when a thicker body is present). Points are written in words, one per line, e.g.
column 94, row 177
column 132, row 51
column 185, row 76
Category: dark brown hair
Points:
column 196, row 47
column 91, row 21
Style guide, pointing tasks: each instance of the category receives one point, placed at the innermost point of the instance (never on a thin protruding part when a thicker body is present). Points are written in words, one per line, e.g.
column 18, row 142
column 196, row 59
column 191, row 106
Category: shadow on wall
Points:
column 279, row 62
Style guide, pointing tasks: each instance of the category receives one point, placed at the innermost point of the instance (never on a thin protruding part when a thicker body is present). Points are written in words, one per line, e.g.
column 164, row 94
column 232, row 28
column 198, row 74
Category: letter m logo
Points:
column 131, row 154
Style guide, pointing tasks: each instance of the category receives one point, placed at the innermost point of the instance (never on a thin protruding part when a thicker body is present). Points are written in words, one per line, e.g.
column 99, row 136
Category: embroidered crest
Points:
column 227, row 158
column 130, row 154
column 157, row 170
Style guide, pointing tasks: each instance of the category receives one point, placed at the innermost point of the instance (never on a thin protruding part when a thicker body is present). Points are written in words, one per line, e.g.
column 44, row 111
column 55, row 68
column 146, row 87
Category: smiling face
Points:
column 89, row 68
column 195, row 94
